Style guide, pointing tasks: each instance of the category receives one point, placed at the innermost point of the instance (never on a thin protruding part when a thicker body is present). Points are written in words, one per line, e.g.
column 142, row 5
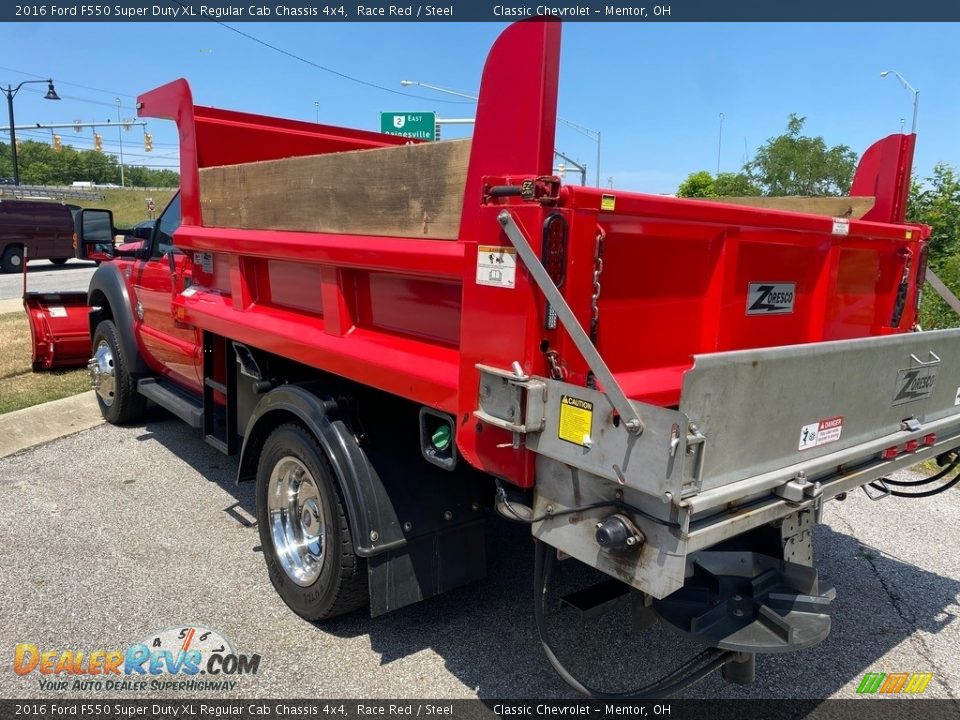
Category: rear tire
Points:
column 117, row 395
column 59, row 261
column 12, row 259
column 304, row 533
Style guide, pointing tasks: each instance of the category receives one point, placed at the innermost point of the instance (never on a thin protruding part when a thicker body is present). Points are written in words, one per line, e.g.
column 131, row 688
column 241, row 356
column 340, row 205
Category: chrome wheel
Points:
column 102, row 373
column 296, row 520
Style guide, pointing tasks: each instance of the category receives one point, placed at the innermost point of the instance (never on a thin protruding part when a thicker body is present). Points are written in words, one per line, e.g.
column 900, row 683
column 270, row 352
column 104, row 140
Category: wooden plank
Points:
column 405, row 191
column 848, row 207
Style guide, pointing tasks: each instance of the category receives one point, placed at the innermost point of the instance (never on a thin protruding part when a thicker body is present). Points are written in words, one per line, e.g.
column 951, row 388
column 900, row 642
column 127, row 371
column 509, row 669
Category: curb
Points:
column 11, row 305
column 22, row 429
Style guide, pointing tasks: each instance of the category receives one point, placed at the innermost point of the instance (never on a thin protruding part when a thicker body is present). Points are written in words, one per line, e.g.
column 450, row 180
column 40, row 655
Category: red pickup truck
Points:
column 668, row 390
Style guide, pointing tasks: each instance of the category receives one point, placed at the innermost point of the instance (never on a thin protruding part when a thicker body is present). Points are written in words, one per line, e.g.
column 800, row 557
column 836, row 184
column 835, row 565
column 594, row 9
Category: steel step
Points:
column 170, row 397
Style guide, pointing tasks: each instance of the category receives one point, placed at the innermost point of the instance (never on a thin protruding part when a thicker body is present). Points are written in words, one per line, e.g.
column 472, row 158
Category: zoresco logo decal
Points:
column 915, row 384
column 155, row 663
column 770, row 298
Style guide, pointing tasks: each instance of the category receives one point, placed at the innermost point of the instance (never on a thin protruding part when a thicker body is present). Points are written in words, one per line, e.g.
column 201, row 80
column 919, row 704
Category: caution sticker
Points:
column 608, row 202
column 57, row 311
column 497, row 266
column 821, row 432
column 841, row 226
column 576, row 420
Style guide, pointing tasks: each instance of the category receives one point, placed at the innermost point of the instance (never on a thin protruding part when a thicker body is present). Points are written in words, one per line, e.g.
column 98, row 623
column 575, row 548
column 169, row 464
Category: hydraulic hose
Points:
column 922, row 483
column 687, row 674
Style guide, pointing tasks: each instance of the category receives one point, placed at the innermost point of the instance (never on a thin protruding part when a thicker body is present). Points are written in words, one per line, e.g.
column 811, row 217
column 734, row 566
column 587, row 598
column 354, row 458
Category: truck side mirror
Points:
column 95, row 234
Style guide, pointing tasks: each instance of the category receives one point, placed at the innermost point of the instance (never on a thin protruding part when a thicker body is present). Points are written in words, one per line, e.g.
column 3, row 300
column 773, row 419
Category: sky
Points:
column 654, row 91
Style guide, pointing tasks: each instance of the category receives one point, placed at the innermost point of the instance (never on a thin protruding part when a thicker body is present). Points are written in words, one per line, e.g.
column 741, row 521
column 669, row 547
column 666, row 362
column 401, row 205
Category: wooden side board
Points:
column 848, row 207
column 406, row 191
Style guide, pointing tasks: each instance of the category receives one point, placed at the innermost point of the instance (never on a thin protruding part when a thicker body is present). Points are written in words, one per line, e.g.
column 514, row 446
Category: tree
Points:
column 697, row 185
column 795, row 164
column 40, row 164
column 735, row 185
column 937, row 203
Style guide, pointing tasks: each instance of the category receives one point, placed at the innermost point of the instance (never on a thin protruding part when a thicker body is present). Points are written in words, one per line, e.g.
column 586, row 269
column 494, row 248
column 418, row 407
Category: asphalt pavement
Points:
column 44, row 276
column 113, row 533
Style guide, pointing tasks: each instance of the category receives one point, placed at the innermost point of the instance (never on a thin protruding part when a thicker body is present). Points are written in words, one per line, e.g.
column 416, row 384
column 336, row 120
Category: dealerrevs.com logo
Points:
column 188, row 658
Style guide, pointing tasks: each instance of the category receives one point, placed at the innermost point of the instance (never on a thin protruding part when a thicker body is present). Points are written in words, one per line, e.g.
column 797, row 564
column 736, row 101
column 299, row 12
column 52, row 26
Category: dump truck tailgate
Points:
column 770, row 409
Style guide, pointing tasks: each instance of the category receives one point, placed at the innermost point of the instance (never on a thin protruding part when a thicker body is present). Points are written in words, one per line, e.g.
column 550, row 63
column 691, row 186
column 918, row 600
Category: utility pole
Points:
column 719, row 143
column 120, row 135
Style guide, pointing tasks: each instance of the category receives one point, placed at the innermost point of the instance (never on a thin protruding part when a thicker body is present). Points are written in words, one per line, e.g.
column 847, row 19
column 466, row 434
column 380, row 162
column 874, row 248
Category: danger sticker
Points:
column 496, row 266
column 576, row 420
column 608, row 202
column 820, row 433
column 841, row 226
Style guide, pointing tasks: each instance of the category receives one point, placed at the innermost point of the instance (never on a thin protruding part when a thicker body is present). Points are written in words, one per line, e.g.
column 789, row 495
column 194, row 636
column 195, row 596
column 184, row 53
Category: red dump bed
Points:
column 407, row 315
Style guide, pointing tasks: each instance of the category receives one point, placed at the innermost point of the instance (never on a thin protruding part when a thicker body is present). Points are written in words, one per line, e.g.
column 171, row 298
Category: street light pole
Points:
column 120, row 135
column 719, row 143
column 592, row 134
column 448, row 91
column 316, row 107
column 910, row 89
column 11, row 92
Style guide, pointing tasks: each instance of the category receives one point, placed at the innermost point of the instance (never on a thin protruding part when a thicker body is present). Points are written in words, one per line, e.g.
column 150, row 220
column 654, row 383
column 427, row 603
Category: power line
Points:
column 64, row 82
column 339, row 74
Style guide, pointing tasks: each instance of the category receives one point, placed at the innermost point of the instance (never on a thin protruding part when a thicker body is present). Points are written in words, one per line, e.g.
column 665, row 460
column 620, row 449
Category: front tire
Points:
column 12, row 259
column 117, row 395
column 304, row 533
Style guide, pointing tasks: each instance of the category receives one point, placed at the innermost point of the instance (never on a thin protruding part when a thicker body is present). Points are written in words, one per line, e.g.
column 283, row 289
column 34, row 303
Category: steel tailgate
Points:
column 763, row 410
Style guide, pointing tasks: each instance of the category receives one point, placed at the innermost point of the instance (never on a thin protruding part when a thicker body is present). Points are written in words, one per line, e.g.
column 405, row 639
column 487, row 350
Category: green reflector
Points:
column 441, row 437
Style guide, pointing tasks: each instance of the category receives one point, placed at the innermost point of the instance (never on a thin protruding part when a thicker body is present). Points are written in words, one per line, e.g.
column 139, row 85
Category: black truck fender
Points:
column 370, row 510
column 108, row 299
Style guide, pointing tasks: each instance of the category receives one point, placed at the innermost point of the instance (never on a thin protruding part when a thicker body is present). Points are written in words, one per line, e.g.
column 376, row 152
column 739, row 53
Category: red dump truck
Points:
column 396, row 337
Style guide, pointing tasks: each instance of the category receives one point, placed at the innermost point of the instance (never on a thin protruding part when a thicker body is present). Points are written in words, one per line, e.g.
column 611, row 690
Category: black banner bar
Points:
column 860, row 709
column 483, row 11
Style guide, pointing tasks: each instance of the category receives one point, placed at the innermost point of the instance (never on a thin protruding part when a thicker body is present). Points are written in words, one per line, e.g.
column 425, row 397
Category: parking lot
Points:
column 114, row 533
column 44, row 276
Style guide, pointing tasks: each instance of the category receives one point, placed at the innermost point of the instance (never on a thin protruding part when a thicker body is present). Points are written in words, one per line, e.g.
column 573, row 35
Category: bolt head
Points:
column 374, row 535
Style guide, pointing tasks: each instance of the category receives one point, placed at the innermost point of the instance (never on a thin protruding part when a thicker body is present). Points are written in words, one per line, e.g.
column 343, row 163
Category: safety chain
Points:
column 553, row 360
column 595, row 298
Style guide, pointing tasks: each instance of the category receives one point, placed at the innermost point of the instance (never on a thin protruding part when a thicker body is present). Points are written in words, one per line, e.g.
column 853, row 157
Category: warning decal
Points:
column 608, row 202
column 57, row 311
column 496, row 266
column 820, row 433
column 576, row 420
column 841, row 226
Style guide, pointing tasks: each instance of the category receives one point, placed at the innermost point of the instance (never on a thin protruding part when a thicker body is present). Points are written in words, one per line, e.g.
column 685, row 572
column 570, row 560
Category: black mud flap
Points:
column 427, row 566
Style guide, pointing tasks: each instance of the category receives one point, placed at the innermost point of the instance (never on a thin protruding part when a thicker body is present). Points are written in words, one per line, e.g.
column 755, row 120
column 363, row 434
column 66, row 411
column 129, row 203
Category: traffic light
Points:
column 97, row 141
column 147, row 142
column 57, row 143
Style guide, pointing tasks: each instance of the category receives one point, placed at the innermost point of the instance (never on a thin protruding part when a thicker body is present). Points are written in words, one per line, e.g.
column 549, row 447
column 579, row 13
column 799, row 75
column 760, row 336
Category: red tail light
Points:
column 930, row 440
column 911, row 446
column 890, row 453
column 554, row 257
